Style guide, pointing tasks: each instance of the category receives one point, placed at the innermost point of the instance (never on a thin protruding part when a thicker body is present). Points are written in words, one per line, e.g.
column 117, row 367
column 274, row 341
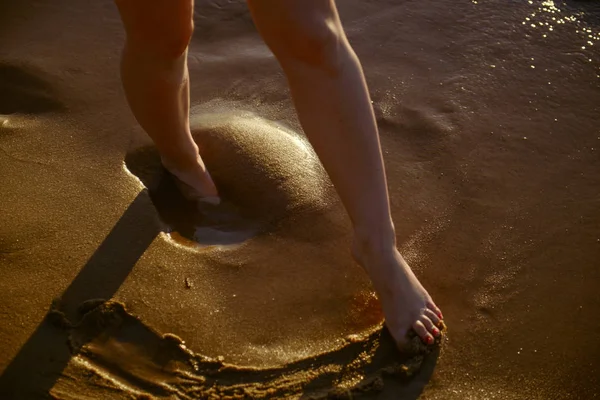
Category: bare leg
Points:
column 156, row 82
column 333, row 104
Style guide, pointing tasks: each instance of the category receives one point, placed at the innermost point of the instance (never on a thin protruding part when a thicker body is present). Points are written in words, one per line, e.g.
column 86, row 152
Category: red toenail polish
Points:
column 436, row 331
column 429, row 340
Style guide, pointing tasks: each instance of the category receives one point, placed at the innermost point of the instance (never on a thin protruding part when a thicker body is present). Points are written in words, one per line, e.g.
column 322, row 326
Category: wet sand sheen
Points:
column 273, row 185
column 489, row 129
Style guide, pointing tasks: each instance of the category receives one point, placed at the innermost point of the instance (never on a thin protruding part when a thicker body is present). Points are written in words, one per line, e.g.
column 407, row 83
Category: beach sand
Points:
column 112, row 289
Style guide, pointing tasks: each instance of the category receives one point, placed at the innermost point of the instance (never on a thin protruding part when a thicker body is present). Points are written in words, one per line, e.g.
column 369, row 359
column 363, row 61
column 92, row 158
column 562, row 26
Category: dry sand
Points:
column 489, row 117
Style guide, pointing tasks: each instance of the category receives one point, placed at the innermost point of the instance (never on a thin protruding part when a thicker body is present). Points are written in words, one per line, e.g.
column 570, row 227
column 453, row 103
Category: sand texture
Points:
column 113, row 287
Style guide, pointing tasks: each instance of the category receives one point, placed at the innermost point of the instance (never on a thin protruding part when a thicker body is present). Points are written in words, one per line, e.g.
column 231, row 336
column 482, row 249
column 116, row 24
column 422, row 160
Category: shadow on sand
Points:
column 38, row 365
column 41, row 361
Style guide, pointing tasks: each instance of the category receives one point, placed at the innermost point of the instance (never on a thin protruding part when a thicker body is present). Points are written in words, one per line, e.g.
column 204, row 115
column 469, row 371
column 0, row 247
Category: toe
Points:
column 430, row 326
column 432, row 316
column 431, row 306
column 422, row 332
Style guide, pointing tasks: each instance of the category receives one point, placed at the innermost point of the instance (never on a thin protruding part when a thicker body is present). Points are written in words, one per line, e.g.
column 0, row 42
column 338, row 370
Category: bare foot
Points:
column 405, row 302
column 194, row 182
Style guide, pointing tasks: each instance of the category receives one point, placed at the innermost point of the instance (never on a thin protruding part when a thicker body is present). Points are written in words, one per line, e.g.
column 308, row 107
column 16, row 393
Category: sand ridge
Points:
column 117, row 347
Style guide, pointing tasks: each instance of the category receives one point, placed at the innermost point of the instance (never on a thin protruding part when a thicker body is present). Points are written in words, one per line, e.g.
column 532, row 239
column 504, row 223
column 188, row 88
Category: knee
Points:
column 162, row 32
column 317, row 41
column 175, row 42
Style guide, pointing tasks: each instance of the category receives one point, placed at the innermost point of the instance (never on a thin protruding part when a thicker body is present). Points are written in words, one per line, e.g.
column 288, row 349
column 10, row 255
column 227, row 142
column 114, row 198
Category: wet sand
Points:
column 489, row 119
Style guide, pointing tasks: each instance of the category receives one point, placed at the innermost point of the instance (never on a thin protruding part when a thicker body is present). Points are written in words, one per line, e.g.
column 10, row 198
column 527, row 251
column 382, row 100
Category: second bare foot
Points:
column 194, row 181
column 405, row 302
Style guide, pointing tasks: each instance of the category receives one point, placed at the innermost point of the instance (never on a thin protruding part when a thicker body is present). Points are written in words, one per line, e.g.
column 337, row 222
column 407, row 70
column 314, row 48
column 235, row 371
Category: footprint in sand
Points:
column 24, row 92
column 263, row 170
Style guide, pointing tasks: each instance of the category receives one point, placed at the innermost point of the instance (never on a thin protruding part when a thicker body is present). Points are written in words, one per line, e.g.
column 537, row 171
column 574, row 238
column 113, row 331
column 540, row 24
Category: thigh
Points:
column 156, row 19
column 292, row 14
column 306, row 30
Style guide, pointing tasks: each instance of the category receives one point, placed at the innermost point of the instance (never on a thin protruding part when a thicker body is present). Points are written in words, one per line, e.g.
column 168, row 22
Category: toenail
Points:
column 436, row 331
column 429, row 339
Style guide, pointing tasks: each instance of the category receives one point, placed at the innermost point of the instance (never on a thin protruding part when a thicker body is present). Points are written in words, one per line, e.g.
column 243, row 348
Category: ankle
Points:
column 183, row 161
column 374, row 241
